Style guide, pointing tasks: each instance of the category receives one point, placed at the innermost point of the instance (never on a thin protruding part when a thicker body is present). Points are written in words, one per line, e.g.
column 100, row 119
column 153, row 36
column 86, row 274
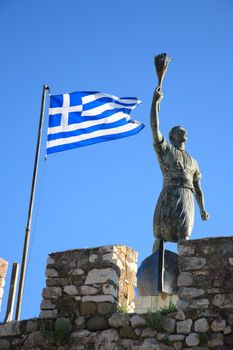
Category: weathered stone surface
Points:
column 50, row 261
column 182, row 304
column 3, row 267
column 93, row 258
column 199, row 304
column 192, row 339
column 80, row 334
column 47, row 304
column 118, row 320
column 185, row 279
column 88, row 290
column 230, row 319
column 186, row 250
column 180, row 315
column 4, row 344
column 216, row 340
column 2, row 282
column 230, row 261
column 149, row 342
column 178, row 345
column 97, row 322
column 80, row 322
column 137, row 321
column 218, row 325
column 131, row 266
column 51, row 292
column 185, row 292
column 101, row 276
column 70, row 290
column 88, row 308
column 108, row 336
column 191, row 263
column 127, row 332
column 162, row 336
column 227, row 330
column 48, row 313
column 57, row 282
column 50, row 272
column 35, row 339
column 201, row 325
column 148, row 333
column 224, row 301
column 32, row 325
column 176, row 337
column 109, row 289
column 9, row 329
column 98, row 298
column 112, row 258
column 105, row 308
column 168, row 324
column 77, row 272
column 184, row 327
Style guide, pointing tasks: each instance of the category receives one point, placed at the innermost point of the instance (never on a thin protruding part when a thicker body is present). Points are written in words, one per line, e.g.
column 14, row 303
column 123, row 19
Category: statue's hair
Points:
column 173, row 131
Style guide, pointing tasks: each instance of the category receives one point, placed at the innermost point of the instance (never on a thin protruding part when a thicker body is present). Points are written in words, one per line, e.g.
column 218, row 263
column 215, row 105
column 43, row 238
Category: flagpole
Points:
column 30, row 209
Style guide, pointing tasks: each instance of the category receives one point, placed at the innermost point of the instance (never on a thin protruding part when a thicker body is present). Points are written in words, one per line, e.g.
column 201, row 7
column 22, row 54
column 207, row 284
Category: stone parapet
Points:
column 70, row 320
column 206, row 274
column 3, row 271
column 89, row 281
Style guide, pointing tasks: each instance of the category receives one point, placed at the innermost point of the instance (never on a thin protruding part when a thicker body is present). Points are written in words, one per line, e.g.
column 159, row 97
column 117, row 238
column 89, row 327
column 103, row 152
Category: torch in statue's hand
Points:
column 161, row 63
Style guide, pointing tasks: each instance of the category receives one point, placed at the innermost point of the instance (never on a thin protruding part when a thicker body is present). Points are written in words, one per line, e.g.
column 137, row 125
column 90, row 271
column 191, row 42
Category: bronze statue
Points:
column 174, row 212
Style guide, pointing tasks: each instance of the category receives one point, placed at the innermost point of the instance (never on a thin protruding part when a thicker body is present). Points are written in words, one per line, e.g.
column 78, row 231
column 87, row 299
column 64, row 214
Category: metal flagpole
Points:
column 29, row 220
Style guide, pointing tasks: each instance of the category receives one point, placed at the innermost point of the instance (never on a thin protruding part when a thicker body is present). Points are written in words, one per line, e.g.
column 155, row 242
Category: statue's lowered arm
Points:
column 200, row 199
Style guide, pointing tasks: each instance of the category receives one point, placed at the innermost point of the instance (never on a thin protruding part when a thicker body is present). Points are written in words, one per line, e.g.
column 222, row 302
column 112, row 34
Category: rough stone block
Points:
column 137, row 321
column 201, row 325
column 102, row 276
column 185, row 279
column 10, row 329
column 224, row 301
column 184, row 327
column 192, row 339
column 118, row 320
column 191, row 263
column 218, row 325
column 51, row 292
column 185, row 292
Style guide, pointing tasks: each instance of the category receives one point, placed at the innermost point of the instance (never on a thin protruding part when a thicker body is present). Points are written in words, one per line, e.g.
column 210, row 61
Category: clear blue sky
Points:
column 106, row 193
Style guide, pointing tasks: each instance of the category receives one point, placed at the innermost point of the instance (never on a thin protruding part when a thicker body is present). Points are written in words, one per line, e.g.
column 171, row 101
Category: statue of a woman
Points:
column 174, row 212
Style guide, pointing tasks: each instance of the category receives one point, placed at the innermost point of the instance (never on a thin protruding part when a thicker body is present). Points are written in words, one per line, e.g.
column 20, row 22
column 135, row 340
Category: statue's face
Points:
column 180, row 135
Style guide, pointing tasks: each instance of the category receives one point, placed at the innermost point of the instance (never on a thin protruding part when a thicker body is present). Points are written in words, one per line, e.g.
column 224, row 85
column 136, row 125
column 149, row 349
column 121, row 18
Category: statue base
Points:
column 148, row 274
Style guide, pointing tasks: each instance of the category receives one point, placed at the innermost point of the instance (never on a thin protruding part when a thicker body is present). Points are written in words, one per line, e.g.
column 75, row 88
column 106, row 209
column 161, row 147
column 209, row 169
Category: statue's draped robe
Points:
column 174, row 212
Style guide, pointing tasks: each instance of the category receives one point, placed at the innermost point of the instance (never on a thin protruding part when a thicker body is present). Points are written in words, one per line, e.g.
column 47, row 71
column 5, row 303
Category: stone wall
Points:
column 96, row 280
column 83, row 288
column 3, row 271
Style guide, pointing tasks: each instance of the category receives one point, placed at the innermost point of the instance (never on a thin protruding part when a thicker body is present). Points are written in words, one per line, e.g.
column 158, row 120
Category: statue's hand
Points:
column 158, row 96
column 204, row 215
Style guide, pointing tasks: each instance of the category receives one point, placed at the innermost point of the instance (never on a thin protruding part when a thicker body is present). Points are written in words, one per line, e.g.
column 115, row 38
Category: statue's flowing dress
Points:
column 174, row 212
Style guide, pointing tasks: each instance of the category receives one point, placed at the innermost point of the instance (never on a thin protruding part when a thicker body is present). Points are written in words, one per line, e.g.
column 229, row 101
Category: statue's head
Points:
column 178, row 135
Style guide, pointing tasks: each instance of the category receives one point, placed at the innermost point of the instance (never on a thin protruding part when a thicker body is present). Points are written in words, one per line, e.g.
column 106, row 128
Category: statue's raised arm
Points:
column 154, row 116
column 161, row 64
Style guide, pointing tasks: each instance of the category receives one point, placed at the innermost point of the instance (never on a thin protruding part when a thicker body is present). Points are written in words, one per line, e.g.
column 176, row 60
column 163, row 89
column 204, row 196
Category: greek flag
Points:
column 83, row 118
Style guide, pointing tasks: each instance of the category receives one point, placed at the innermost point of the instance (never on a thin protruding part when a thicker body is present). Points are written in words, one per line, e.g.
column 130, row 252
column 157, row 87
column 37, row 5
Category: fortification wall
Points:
column 3, row 271
column 84, row 288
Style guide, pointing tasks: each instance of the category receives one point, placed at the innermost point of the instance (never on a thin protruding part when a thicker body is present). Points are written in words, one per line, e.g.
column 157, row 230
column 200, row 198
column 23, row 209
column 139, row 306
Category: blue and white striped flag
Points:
column 84, row 118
